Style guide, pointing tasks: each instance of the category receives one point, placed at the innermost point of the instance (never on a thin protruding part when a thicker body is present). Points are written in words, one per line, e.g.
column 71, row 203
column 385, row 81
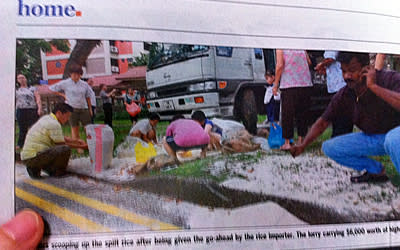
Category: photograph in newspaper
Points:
column 158, row 136
column 279, row 149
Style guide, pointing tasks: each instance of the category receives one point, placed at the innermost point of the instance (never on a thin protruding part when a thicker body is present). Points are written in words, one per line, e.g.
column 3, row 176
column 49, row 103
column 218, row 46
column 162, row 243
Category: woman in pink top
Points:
column 293, row 75
column 185, row 134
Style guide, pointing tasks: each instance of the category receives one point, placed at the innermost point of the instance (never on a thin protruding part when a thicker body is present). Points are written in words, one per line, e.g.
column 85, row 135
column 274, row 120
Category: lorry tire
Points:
column 248, row 111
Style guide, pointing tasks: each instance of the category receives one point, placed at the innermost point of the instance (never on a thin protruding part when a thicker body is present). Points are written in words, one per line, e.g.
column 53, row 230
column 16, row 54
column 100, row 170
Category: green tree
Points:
column 141, row 60
column 28, row 61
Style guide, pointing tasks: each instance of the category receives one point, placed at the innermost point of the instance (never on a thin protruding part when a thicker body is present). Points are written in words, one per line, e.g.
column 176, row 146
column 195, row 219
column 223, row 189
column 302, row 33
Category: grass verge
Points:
column 202, row 168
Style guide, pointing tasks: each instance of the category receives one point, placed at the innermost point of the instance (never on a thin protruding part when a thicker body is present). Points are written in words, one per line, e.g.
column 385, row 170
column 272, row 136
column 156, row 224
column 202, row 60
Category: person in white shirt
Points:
column 272, row 101
column 145, row 129
column 29, row 108
column 77, row 95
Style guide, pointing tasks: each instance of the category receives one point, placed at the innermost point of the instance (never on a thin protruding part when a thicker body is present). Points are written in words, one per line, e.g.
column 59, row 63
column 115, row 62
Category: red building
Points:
column 110, row 58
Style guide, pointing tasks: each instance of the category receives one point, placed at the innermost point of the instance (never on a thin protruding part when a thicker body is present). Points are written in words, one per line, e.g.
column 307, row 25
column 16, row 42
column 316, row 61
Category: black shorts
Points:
column 175, row 147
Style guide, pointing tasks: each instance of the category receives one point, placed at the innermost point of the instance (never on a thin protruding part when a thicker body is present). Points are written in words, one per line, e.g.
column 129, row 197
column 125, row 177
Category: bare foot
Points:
column 285, row 147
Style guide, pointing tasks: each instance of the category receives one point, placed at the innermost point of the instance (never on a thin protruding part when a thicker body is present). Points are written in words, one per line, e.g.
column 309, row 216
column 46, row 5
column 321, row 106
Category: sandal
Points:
column 369, row 178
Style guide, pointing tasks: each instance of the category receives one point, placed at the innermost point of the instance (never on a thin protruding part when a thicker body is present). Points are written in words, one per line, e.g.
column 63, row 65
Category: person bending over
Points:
column 145, row 129
column 45, row 146
column 183, row 135
column 210, row 128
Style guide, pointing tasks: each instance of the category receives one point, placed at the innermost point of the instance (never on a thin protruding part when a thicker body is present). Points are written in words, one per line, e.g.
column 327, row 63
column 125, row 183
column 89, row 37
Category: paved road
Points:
column 80, row 205
column 76, row 205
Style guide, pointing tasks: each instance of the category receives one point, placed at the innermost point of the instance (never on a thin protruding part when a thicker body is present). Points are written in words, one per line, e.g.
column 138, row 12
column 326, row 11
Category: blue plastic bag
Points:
column 275, row 139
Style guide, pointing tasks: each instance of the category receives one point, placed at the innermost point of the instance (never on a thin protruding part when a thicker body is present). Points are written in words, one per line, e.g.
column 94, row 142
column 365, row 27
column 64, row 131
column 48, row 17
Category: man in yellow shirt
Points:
column 45, row 146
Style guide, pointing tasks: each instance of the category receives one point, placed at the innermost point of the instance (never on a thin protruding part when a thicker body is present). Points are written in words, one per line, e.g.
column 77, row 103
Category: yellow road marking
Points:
column 81, row 222
column 110, row 209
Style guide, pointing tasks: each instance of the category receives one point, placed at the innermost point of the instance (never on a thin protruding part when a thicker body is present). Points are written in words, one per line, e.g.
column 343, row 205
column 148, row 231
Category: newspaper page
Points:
column 181, row 56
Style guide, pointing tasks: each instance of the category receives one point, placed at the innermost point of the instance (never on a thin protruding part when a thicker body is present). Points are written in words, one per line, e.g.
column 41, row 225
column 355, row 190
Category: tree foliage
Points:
column 28, row 60
column 141, row 60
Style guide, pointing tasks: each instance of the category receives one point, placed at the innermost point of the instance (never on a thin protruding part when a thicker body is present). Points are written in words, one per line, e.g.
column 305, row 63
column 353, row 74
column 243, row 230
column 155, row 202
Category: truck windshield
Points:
column 162, row 53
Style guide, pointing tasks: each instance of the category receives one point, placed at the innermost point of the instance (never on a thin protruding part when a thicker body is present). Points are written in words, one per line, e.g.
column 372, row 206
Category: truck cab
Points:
column 221, row 81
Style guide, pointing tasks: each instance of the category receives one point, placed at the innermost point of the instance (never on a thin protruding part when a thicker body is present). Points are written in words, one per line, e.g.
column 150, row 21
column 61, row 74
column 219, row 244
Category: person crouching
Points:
column 45, row 146
column 210, row 128
column 185, row 134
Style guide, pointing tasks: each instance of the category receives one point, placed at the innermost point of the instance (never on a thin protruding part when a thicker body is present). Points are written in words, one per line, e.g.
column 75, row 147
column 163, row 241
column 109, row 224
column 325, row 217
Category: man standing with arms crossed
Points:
column 372, row 99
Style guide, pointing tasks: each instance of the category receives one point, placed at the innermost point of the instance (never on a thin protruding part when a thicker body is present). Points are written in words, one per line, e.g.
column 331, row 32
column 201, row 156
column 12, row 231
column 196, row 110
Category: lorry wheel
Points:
column 248, row 111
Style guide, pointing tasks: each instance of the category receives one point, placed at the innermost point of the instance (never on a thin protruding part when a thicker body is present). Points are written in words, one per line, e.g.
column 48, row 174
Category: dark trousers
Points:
column 107, row 108
column 93, row 113
column 295, row 106
column 273, row 109
column 133, row 118
column 25, row 119
column 53, row 161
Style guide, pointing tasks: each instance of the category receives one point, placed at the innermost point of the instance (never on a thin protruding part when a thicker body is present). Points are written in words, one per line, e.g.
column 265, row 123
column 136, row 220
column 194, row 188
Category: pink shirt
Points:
column 295, row 72
column 187, row 133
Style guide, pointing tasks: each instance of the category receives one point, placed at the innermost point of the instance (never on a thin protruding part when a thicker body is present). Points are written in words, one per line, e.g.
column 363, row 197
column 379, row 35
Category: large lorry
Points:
column 221, row 81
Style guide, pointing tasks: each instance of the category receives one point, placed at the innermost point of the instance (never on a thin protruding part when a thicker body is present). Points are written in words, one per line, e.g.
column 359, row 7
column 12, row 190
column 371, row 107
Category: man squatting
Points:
column 45, row 146
column 371, row 98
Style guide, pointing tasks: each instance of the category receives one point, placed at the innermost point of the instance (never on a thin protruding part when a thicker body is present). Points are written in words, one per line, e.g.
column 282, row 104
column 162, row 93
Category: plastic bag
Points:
column 133, row 109
column 100, row 140
column 229, row 128
column 263, row 142
column 144, row 153
column 275, row 139
column 126, row 148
